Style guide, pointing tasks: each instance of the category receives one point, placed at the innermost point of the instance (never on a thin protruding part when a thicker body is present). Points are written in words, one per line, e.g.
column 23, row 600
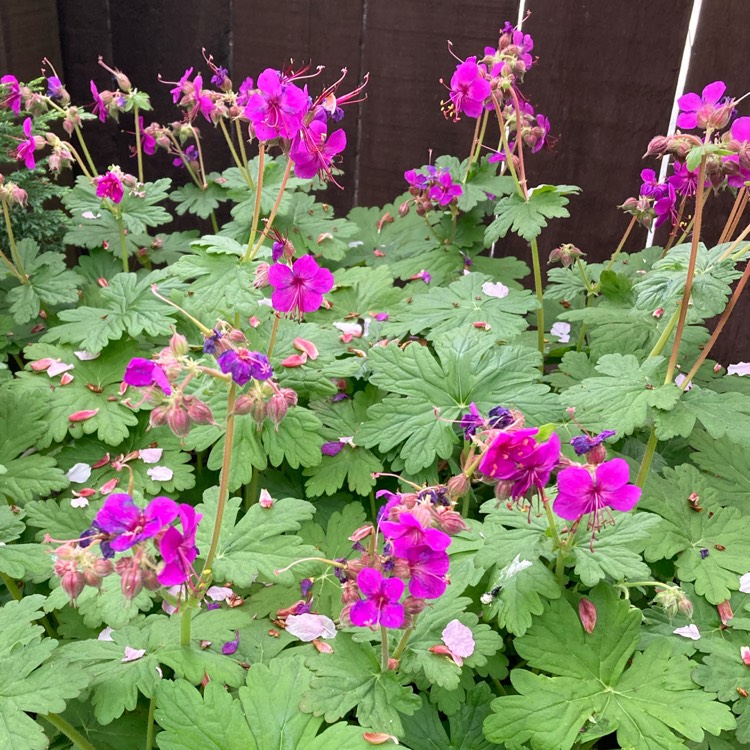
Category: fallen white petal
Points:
column 160, row 473
column 151, row 455
column 106, row 634
column 79, row 502
column 741, row 368
column 308, row 627
column 79, row 473
column 90, row 215
column 133, row 654
column 680, row 379
column 265, row 301
column 347, row 441
column 459, row 639
column 355, row 329
column 58, row 368
column 495, row 289
column 169, row 608
column 356, row 243
column 689, row 631
column 745, row 583
column 561, row 331
column 85, row 356
column 219, row 593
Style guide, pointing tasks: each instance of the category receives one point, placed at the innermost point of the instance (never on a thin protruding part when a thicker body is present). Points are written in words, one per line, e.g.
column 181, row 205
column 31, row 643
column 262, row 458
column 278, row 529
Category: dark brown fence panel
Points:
column 718, row 54
column 606, row 79
column 406, row 54
column 319, row 32
column 28, row 32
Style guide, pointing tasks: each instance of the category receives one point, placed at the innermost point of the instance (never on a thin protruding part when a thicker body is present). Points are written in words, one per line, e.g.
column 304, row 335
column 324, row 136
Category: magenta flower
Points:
column 243, row 95
column 313, row 150
column 301, row 287
column 469, row 88
column 109, row 186
column 243, row 365
column 144, row 372
column 516, row 457
column 664, row 207
column 332, row 448
column 178, row 549
column 277, row 107
column 741, row 142
column 55, row 87
column 471, row 421
column 381, row 607
column 182, row 87
column 119, row 516
column 583, row 443
column 148, row 142
column 219, row 76
column 427, row 568
column 230, row 647
column 191, row 155
column 651, row 187
column 579, row 491
column 13, row 98
column 100, row 108
column 203, row 102
column 698, row 111
column 444, row 190
column 25, row 150
column 408, row 532
column 684, row 180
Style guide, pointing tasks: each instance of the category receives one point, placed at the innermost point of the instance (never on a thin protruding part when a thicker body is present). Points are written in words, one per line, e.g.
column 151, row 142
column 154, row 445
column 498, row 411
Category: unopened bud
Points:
column 103, row 568
column 725, row 611
column 261, row 275
column 567, row 254
column 450, row 521
column 587, row 613
column 403, row 209
column 362, row 533
column 277, row 408
column 198, row 411
column 413, row 605
column 92, row 579
column 72, row 584
column 150, row 581
column 179, row 345
column 597, row 455
column 657, row 146
column 131, row 582
column 158, row 416
column 458, row 485
column 349, row 593
column 178, row 421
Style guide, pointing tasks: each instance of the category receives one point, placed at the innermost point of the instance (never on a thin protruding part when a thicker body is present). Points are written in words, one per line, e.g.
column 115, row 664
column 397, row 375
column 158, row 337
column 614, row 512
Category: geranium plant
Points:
column 288, row 479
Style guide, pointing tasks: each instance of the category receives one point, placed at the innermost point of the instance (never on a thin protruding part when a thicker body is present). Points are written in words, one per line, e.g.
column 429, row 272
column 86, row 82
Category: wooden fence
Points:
column 606, row 78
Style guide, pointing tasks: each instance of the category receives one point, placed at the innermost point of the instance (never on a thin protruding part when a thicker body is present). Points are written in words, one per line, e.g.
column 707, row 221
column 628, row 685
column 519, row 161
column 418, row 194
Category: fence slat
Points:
column 28, row 32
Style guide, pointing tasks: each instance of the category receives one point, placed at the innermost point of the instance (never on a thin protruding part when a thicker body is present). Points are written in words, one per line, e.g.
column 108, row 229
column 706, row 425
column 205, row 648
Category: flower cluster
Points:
column 432, row 188
column 119, row 526
column 413, row 560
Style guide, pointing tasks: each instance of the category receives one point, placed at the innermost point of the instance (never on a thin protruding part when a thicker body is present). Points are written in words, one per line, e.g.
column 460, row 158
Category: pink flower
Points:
column 408, row 532
column 203, row 102
column 183, row 86
column 100, row 108
column 427, row 569
column 129, row 524
column 109, row 186
column 178, row 550
column 301, row 287
column 580, row 491
column 13, row 99
column 705, row 110
column 313, row 150
column 516, row 457
column 459, row 640
column 469, row 89
column 148, row 141
column 25, row 150
column 277, row 107
column 381, row 607
column 144, row 372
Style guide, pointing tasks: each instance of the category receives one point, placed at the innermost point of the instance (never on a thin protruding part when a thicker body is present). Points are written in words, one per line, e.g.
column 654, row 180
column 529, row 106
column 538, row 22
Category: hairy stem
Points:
column 20, row 273
column 734, row 215
column 185, row 621
column 150, row 726
column 240, row 165
column 84, row 148
column 624, row 239
column 241, row 141
column 384, row 648
column 665, row 334
column 256, row 209
column 539, row 289
column 274, row 331
column 647, row 458
column 68, row 730
column 699, row 201
column 138, row 147
column 123, row 243
column 728, row 252
column 274, row 210
column 202, row 167
column 404, row 640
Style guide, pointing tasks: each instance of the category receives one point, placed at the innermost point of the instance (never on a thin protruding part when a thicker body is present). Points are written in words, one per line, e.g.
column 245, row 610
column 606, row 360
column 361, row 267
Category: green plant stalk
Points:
column 274, row 210
column 624, row 239
column 404, row 640
column 150, row 726
column 665, row 334
column 506, row 149
column 84, row 148
column 138, row 147
column 735, row 244
column 241, row 141
column 699, row 202
column 123, row 243
column 559, row 546
column 539, row 289
column 476, row 143
column 383, row 648
column 738, row 209
column 68, row 730
column 214, row 223
column 203, row 183
column 274, row 331
column 184, row 159
column 186, row 621
column 648, row 455
column 17, row 262
column 251, row 496
column 256, row 209
column 659, row 584
column 235, row 155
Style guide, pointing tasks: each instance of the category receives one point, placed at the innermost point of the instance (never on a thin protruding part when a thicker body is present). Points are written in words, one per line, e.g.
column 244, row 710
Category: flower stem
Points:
column 274, row 331
column 84, row 148
column 274, row 210
column 624, row 239
column 256, row 209
column 68, row 730
column 660, row 584
column 223, row 482
column 242, row 167
column 200, row 159
column 404, row 641
column 384, row 648
column 552, row 524
column 123, row 243
column 734, row 215
column 150, row 726
column 241, row 141
column 735, row 244
column 699, row 201
column 665, row 334
column 13, row 247
column 539, row 289
column 138, row 148
column 647, row 457
column 185, row 621
column 506, row 149
column 476, row 143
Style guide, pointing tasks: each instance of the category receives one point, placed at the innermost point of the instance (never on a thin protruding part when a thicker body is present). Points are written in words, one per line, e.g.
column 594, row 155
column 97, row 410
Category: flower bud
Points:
column 261, row 275
column 92, row 579
column 725, row 611
column 277, row 408
column 458, row 485
column 150, row 581
column 245, row 404
column 414, row 606
column 158, row 416
column 450, row 521
column 587, row 613
column 657, row 146
column 362, row 533
column 131, row 582
column 265, row 500
column 567, row 254
column 349, row 593
column 72, row 584
column 103, row 568
column 597, row 455
column 401, row 568
column 403, row 209
column 178, row 420
column 179, row 344
column 198, row 411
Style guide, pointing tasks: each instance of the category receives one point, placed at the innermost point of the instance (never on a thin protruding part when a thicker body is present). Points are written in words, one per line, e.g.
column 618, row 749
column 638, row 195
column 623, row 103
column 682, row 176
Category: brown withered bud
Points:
column 587, row 614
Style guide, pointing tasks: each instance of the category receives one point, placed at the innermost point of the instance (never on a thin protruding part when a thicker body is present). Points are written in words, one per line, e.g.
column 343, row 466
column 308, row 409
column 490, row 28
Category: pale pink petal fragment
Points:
column 219, row 593
column 379, row 738
column 689, row 631
column 741, row 368
column 167, row 606
column 265, row 500
column 85, row 356
column 745, row 583
column 160, row 473
column 308, row 627
column 79, row 473
column 351, row 329
column 587, row 613
column 57, row 368
column 561, row 331
column 495, row 289
column 459, row 639
column 79, row 502
column 133, row 654
column 745, row 654
column 150, row 455
column 106, row 634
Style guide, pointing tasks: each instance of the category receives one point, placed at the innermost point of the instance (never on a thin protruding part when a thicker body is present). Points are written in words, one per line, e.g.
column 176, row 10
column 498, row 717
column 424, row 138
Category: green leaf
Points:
column 461, row 305
column 351, row 678
column 260, row 543
column 127, row 307
column 646, row 703
column 49, row 283
column 466, row 370
column 726, row 464
column 528, row 217
column 198, row 201
column 710, row 545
